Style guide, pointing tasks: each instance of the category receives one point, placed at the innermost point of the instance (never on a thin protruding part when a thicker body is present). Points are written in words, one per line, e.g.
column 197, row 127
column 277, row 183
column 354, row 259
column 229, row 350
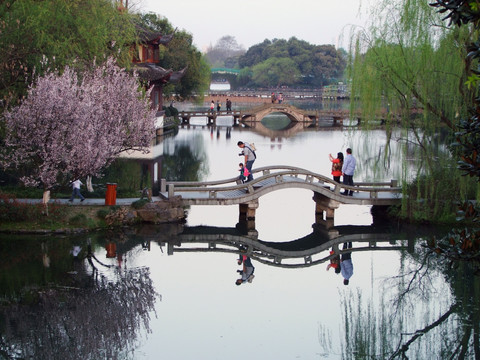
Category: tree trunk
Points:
column 89, row 184
column 45, row 200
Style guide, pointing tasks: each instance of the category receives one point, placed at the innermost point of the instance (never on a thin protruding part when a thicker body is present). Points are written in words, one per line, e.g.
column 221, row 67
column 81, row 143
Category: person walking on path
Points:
column 76, row 190
column 337, row 164
column 250, row 157
column 346, row 265
column 348, row 169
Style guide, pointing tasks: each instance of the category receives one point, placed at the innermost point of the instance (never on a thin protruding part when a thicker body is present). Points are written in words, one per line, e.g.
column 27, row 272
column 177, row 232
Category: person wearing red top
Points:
column 337, row 164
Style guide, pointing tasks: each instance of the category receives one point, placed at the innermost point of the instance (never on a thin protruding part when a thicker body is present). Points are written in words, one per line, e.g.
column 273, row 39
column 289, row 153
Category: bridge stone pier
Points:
column 247, row 213
column 324, row 210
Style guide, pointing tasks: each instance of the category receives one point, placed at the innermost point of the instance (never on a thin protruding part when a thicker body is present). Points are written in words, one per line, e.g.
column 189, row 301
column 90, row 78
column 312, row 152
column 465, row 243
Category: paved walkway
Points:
column 86, row 202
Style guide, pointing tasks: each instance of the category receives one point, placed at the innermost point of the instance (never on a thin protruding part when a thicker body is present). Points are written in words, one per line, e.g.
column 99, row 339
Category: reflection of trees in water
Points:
column 423, row 319
column 92, row 318
column 187, row 163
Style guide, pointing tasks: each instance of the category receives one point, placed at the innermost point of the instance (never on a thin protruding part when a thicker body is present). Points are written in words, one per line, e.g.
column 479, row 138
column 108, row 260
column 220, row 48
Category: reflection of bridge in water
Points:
column 310, row 250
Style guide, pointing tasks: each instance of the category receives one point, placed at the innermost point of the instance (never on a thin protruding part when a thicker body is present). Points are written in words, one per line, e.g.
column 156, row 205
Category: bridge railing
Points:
column 277, row 172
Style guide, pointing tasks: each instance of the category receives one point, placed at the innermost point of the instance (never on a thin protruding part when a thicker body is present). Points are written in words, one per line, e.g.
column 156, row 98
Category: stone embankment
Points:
column 93, row 214
column 163, row 211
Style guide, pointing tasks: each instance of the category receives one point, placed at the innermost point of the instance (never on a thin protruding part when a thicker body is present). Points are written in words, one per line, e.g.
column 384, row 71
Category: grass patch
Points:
column 78, row 220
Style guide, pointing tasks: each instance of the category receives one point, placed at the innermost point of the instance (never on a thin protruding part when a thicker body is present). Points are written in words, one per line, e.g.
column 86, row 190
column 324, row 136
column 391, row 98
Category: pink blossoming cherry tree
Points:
column 71, row 126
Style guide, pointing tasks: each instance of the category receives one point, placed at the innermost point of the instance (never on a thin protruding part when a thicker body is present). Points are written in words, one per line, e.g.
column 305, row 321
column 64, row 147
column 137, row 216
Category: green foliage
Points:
column 178, row 54
column 396, row 67
column 434, row 197
column 22, row 192
column 102, row 213
column 183, row 165
column 13, row 211
column 139, row 203
column 130, row 177
column 67, row 32
column 78, row 220
column 170, row 111
column 313, row 65
column 402, row 65
column 275, row 72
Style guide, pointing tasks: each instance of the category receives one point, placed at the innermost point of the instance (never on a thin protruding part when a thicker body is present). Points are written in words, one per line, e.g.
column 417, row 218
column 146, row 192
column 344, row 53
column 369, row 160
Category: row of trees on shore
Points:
column 280, row 62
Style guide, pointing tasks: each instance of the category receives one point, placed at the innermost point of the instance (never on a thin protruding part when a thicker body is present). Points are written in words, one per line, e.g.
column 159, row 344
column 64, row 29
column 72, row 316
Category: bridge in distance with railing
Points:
column 253, row 115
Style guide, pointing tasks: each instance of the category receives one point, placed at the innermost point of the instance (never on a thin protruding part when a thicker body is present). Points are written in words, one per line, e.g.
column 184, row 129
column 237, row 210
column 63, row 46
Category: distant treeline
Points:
column 279, row 62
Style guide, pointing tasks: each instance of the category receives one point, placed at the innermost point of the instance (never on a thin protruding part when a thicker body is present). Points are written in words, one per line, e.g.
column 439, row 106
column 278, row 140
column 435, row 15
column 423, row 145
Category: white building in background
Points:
column 224, row 86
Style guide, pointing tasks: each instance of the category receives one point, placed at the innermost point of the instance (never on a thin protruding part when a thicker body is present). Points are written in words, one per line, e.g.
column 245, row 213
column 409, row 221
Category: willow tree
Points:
column 409, row 68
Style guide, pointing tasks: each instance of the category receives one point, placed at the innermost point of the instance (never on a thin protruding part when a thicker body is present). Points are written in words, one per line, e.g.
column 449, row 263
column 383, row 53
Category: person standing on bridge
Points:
column 250, row 157
column 348, row 170
column 243, row 173
column 212, row 106
column 337, row 164
column 280, row 98
column 219, row 105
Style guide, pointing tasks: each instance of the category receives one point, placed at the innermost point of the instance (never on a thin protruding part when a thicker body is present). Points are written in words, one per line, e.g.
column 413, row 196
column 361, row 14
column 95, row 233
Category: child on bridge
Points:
column 243, row 172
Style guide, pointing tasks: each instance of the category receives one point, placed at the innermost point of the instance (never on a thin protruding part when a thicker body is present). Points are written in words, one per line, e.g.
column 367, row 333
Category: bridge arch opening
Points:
column 277, row 121
column 276, row 212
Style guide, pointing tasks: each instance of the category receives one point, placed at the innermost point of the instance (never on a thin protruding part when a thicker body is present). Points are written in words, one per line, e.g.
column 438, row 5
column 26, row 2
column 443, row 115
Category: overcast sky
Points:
column 252, row 21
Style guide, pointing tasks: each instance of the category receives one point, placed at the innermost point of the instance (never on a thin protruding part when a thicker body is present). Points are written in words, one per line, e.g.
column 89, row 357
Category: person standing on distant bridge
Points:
column 219, row 105
column 229, row 105
column 348, row 170
column 250, row 157
column 212, row 106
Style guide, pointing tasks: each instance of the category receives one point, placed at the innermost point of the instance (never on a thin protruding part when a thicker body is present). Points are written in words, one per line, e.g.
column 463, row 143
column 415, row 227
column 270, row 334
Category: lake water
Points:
column 169, row 292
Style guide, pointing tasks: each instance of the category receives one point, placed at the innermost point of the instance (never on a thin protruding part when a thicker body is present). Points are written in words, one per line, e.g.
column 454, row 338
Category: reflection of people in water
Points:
column 76, row 251
column 247, row 271
column 334, row 263
column 346, row 264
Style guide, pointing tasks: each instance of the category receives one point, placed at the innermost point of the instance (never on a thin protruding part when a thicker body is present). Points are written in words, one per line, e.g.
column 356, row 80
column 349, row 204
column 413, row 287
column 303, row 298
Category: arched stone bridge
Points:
column 256, row 114
column 327, row 193
column 293, row 113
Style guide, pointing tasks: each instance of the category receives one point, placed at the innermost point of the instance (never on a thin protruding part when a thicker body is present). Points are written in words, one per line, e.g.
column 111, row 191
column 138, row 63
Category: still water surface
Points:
column 165, row 294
